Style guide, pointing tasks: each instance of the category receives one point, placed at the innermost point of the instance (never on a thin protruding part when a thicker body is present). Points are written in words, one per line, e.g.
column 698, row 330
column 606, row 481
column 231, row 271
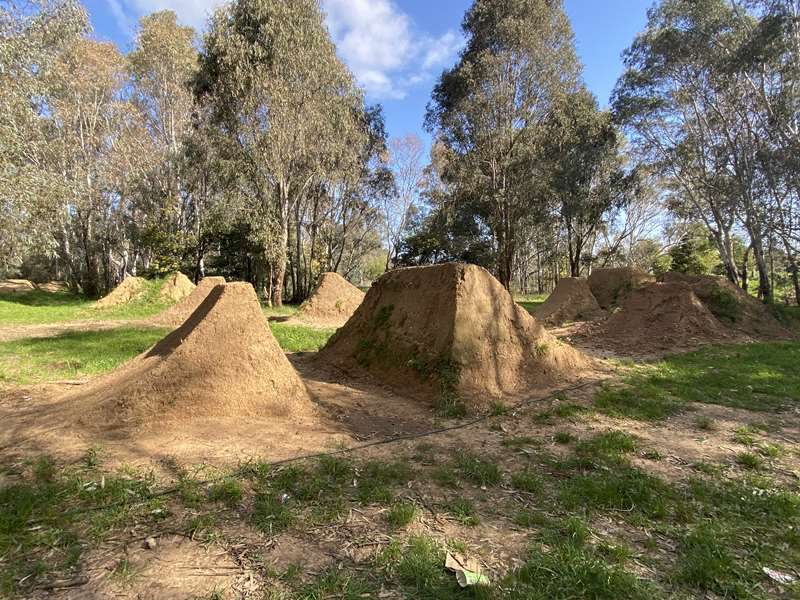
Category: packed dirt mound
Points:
column 662, row 317
column 175, row 315
column 332, row 303
column 610, row 286
column 222, row 362
column 15, row 286
column 732, row 305
column 176, row 287
column 53, row 287
column 131, row 289
column 449, row 333
column 571, row 300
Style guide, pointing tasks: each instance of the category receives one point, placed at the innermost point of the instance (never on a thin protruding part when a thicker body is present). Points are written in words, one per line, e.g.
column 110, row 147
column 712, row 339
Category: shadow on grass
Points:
column 72, row 354
column 759, row 377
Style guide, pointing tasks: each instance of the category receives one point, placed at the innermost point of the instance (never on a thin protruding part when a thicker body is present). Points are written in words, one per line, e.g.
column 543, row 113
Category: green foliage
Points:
column 463, row 510
column 299, row 338
column 401, row 514
column 477, row 470
column 228, row 491
column 527, row 481
column 37, row 307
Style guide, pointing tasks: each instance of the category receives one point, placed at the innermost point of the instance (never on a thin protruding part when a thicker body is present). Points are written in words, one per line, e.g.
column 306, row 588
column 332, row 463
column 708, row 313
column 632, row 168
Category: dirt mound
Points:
column 176, row 287
column 571, row 300
column 333, row 302
column 732, row 305
column 175, row 315
column 449, row 334
column 222, row 362
column 662, row 317
column 131, row 289
column 15, row 286
column 53, row 287
column 610, row 286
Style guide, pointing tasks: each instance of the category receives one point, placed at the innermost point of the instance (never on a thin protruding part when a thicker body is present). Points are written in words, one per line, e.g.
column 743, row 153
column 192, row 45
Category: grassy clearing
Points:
column 298, row 338
column 530, row 302
column 72, row 354
column 287, row 310
column 760, row 377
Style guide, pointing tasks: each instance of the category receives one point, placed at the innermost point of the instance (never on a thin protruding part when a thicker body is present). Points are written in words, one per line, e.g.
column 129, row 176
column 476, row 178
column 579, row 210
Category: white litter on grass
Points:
column 782, row 578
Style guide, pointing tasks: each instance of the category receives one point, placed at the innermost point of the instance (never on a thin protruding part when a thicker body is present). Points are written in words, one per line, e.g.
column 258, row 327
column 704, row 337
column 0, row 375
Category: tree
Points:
column 273, row 84
column 405, row 163
column 489, row 111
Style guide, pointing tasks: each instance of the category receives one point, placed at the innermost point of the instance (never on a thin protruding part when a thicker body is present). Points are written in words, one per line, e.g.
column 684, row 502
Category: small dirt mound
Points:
column 662, row 317
column 732, row 305
column 175, row 315
column 610, row 286
column 223, row 361
column 333, row 302
column 15, row 286
column 130, row 290
column 450, row 334
column 176, row 287
column 571, row 300
column 53, row 287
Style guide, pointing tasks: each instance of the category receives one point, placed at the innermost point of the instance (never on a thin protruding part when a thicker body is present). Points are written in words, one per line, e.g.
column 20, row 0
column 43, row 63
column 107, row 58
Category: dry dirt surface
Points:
column 15, row 286
column 222, row 362
column 747, row 315
column 450, row 329
column 176, row 315
column 333, row 302
column 571, row 300
column 129, row 290
column 52, row 287
column 609, row 286
column 176, row 287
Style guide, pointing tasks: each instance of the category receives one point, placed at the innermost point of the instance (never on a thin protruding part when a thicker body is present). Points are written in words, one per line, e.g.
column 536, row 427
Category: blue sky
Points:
column 397, row 48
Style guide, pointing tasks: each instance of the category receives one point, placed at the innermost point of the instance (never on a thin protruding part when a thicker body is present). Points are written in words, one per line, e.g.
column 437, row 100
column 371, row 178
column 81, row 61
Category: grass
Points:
column 530, row 302
column 37, row 307
column 72, row 354
column 759, row 377
column 298, row 338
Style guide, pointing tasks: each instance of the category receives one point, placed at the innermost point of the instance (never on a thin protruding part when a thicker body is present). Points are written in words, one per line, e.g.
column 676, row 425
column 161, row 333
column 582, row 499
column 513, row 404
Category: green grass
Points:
column 73, row 354
column 287, row 310
column 298, row 338
column 40, row 308
column 401, row 514
column 530, row 302
column 37, row 307
column 759, row 377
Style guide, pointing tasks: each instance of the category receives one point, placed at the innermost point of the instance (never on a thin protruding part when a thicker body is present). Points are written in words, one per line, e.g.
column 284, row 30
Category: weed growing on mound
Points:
column 72, row 354
column 759, row 377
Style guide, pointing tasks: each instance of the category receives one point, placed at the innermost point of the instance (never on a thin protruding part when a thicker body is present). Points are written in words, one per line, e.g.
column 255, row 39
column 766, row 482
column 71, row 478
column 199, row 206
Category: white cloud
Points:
column 379, row 42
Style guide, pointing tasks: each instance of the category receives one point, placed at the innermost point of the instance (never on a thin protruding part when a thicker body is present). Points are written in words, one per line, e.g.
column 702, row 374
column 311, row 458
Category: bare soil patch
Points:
column 16, row 286
column 176, row 287
column 176, row 315
column 333, row 302
column 571, row 300
column 129, row 290
column 450, row 330
column 610, row 286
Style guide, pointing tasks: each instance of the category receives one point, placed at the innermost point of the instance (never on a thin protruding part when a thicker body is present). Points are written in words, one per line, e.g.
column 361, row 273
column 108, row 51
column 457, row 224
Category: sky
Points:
column 397, row 48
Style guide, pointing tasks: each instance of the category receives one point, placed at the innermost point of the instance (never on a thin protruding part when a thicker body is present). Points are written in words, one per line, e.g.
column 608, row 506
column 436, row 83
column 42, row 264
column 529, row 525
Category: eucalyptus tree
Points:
column 273, row 84
column 490, row 109
column 587, row 175
column 33, row 35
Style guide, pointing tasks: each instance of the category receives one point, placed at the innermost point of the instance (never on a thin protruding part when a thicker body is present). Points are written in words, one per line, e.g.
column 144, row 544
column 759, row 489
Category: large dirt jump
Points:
column 333, row 302
column 734, row 307
column 610, row 286
column 571, row 300
column 129, row 290
column 222, row 362
column 662, row 317
column 450, row 329
column 176, row 287
column 177, row 314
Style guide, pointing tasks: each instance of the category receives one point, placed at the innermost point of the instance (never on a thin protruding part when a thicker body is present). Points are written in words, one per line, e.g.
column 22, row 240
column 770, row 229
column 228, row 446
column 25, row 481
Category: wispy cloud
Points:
column 385, row 49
